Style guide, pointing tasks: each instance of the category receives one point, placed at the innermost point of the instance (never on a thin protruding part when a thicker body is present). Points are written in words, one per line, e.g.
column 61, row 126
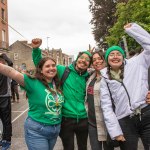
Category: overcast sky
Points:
column 65, row 22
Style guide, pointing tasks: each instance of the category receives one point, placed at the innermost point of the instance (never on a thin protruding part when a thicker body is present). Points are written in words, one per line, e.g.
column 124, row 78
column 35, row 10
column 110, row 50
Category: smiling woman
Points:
column 45, row 103
column 123, row 89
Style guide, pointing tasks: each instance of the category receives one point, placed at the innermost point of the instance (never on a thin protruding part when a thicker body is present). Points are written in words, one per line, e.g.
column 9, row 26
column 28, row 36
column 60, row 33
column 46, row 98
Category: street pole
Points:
column 47, row 43
column 125, row 46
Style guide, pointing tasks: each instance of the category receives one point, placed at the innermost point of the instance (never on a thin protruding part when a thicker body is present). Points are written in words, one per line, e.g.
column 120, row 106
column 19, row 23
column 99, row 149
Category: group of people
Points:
column 110, row 104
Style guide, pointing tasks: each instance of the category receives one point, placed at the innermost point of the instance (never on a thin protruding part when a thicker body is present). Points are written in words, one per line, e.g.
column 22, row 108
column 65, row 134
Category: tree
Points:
column 133, row 11
column 103, row 17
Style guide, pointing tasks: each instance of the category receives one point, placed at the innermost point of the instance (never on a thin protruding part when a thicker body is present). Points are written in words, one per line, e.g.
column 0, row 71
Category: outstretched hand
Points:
column 36, row 43
column 128, row 25
column 91, row 49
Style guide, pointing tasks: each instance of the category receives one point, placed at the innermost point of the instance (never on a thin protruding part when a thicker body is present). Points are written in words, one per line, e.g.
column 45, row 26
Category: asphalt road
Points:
column 19, row 113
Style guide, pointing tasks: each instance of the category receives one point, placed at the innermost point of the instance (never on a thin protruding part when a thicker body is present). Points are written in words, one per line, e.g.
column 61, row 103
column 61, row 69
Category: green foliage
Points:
column 134, row 11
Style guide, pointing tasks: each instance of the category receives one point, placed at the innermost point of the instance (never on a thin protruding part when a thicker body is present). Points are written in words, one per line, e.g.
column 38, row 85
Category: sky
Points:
column 61, row 24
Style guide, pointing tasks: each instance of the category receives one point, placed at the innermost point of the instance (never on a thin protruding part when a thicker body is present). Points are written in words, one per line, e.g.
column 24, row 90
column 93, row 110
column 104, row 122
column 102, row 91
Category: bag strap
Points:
column 149, row 78
column 64, row 76
column 112, row 101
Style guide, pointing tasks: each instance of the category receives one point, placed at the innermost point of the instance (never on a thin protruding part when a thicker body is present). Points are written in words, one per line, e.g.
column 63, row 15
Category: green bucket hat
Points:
column 114, row 48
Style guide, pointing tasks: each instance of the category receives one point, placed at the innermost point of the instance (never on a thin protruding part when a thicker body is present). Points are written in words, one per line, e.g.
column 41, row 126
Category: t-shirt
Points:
column 43, row 106
column 90, row 99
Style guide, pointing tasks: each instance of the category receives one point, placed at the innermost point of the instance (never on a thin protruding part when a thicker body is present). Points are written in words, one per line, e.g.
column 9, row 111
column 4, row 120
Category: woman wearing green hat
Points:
column 123, row 89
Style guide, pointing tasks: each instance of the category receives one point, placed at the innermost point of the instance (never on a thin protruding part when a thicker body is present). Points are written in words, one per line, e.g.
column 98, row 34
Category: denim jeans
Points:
column 95, row 144
column 71, row 127
column 39, row 136
column 135, row 127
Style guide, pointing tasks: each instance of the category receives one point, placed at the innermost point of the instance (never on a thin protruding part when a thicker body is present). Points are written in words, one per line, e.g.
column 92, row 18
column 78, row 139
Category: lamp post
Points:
column 47, row 43
column 101, row 42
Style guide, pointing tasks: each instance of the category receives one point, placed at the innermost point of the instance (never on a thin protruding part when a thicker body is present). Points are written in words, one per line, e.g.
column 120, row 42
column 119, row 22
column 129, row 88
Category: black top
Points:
column 90, row 100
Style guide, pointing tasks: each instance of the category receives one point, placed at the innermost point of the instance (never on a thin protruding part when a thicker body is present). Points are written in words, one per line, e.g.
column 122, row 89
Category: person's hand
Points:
column 91, row 50
column 128, row 25
column 148, row 98
column 120, row 138
column 36, row 43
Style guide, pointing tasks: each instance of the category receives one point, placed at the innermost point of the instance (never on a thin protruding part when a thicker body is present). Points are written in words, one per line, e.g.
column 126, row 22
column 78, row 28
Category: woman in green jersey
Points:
column 45, row 100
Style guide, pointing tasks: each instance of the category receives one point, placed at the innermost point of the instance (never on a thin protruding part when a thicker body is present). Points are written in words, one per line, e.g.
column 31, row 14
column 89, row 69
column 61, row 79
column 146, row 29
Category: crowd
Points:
column 109, row 102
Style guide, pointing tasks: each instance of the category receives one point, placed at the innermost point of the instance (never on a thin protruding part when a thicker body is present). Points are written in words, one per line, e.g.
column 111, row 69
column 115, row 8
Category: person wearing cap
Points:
column 123, row 89
column 74, row 115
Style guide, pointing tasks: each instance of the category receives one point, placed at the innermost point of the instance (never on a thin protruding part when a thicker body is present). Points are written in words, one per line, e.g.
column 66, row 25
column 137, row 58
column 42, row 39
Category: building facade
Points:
column 4, row 39
column 20, row 52
column 60, row 57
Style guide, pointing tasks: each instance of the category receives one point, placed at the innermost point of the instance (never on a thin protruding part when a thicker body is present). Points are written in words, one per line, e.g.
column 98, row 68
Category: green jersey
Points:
column 44, row 107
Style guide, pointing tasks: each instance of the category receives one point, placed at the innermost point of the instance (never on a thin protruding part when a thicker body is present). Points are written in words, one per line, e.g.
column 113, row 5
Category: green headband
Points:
column 114, row 48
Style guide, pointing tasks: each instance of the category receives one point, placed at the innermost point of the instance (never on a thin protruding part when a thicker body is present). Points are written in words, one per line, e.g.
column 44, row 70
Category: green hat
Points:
column 84, row 52
column 88, row 53
column 114, row 48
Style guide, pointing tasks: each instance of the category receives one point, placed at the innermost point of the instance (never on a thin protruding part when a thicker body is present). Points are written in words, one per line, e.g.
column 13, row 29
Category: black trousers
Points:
column 14, row 91
column 135, row 127
column 71, row 127
column 5, row 116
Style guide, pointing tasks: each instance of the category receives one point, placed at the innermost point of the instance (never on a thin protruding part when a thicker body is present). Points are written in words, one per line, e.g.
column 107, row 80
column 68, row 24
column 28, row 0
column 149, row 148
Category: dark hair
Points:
column 38, row 75
column 100, row 53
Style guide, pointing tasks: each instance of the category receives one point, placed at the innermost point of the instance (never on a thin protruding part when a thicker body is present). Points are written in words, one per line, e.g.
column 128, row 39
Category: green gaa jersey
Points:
column 44, row 107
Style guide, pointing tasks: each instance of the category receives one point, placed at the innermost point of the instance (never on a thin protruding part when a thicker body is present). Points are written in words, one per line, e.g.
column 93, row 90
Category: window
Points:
column 16, row 56
column 3, row 36
column 23, row 66
column 3, row 13
column 3, row 42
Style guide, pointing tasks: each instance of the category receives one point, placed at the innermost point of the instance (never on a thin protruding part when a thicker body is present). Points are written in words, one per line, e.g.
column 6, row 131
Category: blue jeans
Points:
column 39, row 136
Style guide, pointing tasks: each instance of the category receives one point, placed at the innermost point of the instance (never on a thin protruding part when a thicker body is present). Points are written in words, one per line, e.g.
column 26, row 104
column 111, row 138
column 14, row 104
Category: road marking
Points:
column 19, row 115
column 17, row 111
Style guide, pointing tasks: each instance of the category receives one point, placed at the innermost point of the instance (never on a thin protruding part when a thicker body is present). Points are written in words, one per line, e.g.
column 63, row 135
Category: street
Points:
column 19, row 113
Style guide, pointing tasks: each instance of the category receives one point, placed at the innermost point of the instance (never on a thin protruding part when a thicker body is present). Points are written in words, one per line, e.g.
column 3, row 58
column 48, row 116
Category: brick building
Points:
column 20, row 52
column 60, row 57
column 4, row 39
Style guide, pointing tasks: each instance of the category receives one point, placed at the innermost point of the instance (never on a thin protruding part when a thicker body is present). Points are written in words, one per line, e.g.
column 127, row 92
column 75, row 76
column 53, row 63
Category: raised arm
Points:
column 143, row 38
column 36, row 52
column 12, row 73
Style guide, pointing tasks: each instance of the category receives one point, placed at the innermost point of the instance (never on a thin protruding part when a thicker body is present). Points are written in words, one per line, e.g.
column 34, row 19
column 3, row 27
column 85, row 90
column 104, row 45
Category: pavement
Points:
column 19, row 113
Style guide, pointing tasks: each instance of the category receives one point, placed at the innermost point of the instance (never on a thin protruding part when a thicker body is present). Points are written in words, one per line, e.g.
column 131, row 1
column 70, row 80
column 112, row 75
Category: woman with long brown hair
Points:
column 45, row 100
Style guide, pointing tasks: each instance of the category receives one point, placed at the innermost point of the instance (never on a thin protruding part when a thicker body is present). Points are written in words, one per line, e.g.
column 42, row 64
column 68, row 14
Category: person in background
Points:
column 123, row 89
column 74, row 121
column 45, row 99
column 96, row 127
column 5, row 104
column 14, row 91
